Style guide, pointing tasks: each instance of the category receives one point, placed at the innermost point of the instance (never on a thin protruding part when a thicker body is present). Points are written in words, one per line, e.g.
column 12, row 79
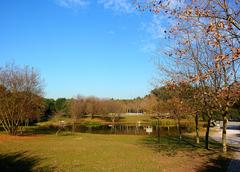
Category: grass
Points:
column 91, row 123
column 135, row 119
column 92, row 152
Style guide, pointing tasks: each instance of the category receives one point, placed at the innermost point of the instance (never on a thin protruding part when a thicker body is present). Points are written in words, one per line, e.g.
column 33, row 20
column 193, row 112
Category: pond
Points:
column 128, row 129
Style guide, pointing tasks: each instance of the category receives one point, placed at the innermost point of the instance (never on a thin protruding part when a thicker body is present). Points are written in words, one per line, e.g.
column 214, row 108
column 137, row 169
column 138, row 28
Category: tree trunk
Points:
column 197, row 129
column 158, row 130
column 5, row 126
column 73, row 127
column 207, row 133
column 13, row 130
column 179, row 129
column 224, row 133
column 26, row 122
column 58, row 131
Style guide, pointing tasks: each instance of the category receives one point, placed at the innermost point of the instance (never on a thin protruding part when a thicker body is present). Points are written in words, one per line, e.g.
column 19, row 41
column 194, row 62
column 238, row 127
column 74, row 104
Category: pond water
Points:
column 128, row 129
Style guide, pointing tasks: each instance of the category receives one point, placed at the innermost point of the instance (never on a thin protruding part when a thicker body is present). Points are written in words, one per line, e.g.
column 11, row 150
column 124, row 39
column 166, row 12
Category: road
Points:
column 233, row 139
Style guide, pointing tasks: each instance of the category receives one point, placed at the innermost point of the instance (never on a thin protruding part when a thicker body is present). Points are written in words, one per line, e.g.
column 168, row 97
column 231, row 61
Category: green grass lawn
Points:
column 135, row 119
column 92, row 152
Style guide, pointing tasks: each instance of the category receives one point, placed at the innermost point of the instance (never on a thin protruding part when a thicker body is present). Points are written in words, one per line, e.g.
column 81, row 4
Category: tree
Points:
column 156, row 105
column 20, row 97
column 207, row 41
column 61, row 105
column 113, row 110
column 92, row 106
column 81, row 106
column 76, row 110
column 175, row 100
column 49, row 109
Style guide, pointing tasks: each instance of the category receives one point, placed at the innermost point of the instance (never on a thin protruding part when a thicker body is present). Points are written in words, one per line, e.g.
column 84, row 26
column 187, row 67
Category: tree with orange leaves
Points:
column 206, row 49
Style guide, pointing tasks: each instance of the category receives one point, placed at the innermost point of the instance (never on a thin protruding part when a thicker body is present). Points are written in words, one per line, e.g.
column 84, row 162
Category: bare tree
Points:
column 113, row 110
column 20, row 96
column 75, row 111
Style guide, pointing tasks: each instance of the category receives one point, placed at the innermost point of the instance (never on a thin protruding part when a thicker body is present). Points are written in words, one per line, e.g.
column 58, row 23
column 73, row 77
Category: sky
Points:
column 100, row 48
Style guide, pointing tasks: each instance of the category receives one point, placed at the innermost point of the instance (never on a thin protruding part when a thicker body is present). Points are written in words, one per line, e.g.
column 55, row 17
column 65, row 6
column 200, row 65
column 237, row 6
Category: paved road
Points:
column 233, row 139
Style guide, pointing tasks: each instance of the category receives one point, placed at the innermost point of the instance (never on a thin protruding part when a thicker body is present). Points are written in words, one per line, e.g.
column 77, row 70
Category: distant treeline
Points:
column 82, row 106
column 157, row 102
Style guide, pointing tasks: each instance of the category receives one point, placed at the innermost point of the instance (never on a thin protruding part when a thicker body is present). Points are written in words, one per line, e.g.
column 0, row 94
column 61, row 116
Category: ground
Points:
column 92, row 152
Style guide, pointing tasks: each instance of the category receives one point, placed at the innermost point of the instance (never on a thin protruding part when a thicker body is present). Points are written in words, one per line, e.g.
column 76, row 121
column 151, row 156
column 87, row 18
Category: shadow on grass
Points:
column 219, row 164
column 170, row 144
column 21, row 162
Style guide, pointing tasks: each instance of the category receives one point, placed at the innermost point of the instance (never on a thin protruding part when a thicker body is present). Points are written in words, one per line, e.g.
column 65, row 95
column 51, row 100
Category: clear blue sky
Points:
column 87, row 47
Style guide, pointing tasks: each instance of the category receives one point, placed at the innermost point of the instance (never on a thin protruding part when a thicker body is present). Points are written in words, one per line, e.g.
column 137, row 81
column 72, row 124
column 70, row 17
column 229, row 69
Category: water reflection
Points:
column 127, row 129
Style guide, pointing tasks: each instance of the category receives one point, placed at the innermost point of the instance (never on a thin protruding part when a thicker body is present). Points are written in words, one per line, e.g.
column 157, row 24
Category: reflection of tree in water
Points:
column 21, row 162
